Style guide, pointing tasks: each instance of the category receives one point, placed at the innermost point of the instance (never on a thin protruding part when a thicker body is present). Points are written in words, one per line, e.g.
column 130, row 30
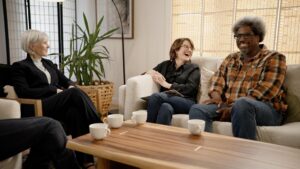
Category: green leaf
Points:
column 86, row 55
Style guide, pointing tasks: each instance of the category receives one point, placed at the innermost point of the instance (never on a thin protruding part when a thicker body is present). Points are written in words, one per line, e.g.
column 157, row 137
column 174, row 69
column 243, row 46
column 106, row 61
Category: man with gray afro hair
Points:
column 255, row 23
column 248, row 87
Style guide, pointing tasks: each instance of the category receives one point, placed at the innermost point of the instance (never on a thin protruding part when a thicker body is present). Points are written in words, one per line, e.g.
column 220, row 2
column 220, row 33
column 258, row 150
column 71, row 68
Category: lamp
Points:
column 122, row 38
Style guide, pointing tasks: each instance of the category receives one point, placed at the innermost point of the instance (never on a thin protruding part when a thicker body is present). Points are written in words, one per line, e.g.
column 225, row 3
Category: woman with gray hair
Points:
column 37, row 77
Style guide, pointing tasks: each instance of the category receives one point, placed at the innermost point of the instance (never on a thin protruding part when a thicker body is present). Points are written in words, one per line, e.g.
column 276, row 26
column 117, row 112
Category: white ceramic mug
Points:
column 139, row 117
column 196, row 126
column 99, row 130
column 114, row 120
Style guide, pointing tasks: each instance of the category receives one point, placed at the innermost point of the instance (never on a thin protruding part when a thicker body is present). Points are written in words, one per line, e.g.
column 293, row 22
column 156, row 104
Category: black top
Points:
column 185, row 79
column 30, row 82
column 5, row 70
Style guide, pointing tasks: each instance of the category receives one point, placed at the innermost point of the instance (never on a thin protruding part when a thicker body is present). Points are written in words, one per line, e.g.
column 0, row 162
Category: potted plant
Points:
column 85, row 62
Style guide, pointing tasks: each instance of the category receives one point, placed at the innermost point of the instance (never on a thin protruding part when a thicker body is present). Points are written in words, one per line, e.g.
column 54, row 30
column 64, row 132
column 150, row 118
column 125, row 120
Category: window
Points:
column 41, row 16
column 208, row 23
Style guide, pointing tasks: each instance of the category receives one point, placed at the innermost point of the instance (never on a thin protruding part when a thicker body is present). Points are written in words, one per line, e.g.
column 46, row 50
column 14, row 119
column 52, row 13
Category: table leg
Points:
column 103, row 163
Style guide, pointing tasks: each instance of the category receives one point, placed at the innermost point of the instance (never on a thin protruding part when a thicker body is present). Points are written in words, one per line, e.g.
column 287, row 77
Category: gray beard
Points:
column 244, row 52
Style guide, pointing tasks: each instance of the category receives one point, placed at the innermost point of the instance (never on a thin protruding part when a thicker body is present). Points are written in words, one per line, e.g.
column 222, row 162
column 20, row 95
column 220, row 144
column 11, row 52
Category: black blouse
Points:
column 185, row 79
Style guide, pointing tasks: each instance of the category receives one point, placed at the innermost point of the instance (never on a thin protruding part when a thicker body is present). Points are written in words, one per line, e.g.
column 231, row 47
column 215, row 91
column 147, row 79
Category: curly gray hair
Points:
column 255, row 23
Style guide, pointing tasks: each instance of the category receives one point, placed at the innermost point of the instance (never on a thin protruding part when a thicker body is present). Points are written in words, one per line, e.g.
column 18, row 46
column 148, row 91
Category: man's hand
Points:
column 225, row 111
column 212, row 101
column 215, row 98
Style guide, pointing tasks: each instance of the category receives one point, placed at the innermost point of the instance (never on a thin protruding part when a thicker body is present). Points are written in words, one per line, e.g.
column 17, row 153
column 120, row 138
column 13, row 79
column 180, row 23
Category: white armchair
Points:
column 10, row 109
column 36, row 103
column 131, row 93
column 5, row 82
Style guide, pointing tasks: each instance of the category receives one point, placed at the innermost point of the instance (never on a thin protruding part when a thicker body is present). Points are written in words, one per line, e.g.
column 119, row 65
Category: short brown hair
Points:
column 176, row 46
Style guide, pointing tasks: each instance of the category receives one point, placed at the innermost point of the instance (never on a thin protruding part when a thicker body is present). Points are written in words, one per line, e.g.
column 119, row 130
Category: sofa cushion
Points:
column 207, row 65
column 180, row 120
column 292, row 83
column 223, row 128
column 206, row 76
column 287, row 134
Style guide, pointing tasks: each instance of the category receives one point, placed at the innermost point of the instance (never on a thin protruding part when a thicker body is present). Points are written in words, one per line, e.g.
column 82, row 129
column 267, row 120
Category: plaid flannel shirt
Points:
column 261, row 78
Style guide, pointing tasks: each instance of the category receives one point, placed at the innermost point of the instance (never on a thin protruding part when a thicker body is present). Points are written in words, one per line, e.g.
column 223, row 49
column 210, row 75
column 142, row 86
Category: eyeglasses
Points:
column 187, row 47
column 245, row 36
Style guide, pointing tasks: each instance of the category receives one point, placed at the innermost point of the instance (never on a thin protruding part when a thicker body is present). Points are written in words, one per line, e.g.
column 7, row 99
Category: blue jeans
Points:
column 246, row 114
column 161, row 107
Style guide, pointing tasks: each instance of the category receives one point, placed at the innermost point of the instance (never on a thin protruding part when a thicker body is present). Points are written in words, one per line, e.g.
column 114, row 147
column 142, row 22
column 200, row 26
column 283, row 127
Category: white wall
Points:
column 150, row 45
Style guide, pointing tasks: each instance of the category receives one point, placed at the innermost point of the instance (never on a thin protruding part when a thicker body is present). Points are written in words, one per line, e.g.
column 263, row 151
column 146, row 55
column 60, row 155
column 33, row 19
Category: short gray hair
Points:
column 32, row 36
column 255, row 23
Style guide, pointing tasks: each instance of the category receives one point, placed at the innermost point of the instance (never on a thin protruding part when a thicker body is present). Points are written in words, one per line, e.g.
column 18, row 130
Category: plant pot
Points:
column 101, row 95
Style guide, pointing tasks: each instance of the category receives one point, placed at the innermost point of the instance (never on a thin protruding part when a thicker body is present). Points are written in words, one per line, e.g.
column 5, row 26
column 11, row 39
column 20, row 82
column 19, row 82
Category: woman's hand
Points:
column 155, row 75
column 164, row 84
column 159, row 78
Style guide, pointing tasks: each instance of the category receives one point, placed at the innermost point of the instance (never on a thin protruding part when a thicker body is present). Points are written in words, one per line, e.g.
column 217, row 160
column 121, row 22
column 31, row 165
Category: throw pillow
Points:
column 292, row 82
column 206, row 76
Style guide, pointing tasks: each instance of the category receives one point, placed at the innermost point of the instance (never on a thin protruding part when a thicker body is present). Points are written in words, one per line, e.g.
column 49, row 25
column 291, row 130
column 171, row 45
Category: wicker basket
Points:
column 101, row 95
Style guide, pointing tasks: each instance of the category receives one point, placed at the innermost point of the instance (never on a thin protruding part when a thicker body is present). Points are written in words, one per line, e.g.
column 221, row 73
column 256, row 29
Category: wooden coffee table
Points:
column 159, row 146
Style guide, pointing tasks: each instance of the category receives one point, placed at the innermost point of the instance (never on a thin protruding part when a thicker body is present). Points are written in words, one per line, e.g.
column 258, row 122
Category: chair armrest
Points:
column 37, row 103
column 137, row 87
column 9, row 109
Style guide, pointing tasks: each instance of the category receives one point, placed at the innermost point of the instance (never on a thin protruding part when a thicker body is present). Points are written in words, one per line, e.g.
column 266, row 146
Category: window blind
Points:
column 208, row 23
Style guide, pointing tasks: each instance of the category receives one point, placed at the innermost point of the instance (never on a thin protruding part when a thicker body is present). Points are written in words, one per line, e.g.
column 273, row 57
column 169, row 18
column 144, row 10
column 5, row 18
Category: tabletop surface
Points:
column 158, row 146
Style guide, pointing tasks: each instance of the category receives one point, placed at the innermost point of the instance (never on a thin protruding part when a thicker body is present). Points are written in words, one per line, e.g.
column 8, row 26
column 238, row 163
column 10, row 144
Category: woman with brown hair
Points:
column 179, row 80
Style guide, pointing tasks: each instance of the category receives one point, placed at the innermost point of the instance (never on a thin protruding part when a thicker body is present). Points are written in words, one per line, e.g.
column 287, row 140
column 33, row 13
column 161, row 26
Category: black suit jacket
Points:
column 31, row 82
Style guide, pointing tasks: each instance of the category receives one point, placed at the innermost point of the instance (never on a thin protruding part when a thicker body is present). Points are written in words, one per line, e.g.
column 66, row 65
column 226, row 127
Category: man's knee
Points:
column 242, row 107
column 242, row 103
column 195, row 111
column 55, row 132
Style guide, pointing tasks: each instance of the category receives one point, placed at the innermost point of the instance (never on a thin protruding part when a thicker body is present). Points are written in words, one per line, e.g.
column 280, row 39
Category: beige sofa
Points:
column 10, row 109
column 287, row 134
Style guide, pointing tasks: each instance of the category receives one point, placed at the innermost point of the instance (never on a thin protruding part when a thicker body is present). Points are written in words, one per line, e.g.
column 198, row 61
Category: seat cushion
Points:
column 287, row 134
column 223, row 128
column 180, row 120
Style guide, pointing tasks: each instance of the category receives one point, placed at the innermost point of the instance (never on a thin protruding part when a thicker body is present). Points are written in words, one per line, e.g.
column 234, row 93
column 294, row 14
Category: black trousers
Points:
column 43, row 135
column 75, row 110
